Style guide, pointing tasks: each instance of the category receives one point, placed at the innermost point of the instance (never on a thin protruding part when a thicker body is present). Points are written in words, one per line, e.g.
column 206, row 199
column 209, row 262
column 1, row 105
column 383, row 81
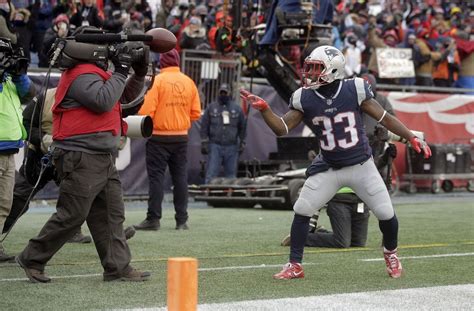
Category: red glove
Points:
column 255, row 101
column 420, row 145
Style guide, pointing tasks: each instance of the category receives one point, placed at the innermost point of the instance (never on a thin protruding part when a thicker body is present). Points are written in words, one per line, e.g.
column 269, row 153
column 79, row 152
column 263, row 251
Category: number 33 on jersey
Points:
column 337, row 121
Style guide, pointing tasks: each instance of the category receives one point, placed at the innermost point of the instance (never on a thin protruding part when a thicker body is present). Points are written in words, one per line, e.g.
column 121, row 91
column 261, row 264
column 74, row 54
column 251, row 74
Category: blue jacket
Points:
column 221, row 129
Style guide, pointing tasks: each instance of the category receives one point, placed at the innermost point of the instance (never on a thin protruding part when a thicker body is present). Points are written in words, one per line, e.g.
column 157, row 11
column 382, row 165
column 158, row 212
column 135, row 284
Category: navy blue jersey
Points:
column 337, row 121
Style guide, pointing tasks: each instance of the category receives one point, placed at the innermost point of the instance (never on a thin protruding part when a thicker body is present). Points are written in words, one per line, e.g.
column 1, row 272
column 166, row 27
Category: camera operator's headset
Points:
column 67, row 53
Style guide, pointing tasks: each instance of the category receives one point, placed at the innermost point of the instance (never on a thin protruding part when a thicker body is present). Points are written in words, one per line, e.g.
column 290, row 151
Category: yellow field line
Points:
column 307, row 251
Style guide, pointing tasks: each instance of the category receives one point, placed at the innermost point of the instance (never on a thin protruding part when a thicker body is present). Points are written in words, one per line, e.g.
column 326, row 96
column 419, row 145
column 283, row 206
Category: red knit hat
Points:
column 169, row 59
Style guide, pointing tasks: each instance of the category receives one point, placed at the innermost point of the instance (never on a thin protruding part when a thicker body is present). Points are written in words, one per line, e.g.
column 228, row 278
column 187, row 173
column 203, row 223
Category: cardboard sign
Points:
column 395, row 63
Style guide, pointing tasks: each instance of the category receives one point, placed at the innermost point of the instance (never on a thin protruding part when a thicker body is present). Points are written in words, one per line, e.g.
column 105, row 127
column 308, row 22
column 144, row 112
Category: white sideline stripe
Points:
column 421, row 257
column 55, row 277
column 451, row 297
column 262, row 266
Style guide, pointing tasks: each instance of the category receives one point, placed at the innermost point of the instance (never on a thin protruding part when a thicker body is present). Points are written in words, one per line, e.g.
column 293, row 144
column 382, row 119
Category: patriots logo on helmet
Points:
column 331, row 52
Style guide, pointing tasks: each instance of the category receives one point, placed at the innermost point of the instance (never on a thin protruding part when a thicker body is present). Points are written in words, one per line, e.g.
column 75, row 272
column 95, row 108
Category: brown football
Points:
column 163, row 40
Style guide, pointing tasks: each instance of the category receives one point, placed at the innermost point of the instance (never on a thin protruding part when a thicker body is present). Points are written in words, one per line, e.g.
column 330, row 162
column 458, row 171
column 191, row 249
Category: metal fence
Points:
column 209, row 69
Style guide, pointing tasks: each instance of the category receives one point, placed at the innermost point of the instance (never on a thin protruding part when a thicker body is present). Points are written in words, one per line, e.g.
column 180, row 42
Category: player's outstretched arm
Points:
column 373, row 109
column 279, row 125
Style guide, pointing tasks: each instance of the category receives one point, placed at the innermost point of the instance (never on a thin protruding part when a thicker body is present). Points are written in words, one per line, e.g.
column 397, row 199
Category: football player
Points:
column 334, row 106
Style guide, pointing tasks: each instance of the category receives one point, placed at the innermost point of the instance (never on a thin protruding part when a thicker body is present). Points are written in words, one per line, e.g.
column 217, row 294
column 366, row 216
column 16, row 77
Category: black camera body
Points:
column 12, row 60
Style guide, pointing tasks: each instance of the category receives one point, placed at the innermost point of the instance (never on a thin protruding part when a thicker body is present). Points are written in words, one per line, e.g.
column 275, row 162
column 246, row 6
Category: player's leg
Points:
column 316, row 192
column 367, row 183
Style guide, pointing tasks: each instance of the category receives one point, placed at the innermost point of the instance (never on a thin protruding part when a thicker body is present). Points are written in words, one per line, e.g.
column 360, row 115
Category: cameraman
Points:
column 39, row 140
column 15, row 88
column 87, row 126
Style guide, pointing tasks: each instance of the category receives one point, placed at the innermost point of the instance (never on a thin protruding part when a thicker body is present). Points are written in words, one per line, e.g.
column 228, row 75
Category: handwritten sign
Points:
column 395, row 63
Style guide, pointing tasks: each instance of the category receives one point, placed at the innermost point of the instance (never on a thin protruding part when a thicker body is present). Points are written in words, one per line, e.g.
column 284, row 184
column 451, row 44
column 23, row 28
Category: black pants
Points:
column 349, row 227
column 159, row 155
column 90, row 190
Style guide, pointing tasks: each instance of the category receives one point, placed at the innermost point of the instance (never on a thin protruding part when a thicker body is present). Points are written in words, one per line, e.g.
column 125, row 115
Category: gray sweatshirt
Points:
column 92, row 92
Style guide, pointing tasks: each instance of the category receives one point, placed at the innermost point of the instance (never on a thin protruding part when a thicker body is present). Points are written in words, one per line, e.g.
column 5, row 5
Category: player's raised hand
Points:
column 255, row 101
column 420, row 145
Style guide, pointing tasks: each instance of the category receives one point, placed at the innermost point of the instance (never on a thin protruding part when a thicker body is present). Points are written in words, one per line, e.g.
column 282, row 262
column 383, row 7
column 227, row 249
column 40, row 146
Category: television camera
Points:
column 92, row 45
column 12, row 60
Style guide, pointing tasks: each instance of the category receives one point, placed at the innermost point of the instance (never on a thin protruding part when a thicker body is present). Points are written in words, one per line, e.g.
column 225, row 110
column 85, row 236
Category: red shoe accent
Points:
column 394, row 266
column 290, row 271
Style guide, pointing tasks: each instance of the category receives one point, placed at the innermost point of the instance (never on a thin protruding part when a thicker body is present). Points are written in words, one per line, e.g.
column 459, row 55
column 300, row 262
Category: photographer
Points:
column 15, row 88
column 349, row 218
column 87, row 126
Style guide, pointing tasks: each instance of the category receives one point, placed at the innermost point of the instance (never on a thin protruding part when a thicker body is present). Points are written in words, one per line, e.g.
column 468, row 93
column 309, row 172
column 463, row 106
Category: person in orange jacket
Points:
column 173, row 103
column 446, row 70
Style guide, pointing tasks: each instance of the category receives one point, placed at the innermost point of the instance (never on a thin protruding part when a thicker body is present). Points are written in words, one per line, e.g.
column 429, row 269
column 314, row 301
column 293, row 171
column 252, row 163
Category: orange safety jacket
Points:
column 172, row 102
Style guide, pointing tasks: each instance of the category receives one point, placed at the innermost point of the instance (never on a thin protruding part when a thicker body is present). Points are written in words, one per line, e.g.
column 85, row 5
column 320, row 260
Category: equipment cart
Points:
column 449, row 163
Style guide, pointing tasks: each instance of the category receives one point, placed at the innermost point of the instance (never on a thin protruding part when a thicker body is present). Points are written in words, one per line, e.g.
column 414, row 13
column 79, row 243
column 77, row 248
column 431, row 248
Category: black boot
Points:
column 148, row 224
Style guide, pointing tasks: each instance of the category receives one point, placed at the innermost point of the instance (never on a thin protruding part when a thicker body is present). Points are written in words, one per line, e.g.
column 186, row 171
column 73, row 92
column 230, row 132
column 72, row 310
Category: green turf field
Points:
column 244, row 244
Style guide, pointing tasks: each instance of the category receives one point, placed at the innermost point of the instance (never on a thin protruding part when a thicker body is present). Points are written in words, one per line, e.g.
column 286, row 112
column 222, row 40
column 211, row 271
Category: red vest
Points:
column 80, row 120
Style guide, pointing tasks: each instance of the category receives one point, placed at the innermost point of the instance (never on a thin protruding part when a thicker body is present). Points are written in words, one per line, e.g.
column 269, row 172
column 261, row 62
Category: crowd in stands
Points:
column 439, row 32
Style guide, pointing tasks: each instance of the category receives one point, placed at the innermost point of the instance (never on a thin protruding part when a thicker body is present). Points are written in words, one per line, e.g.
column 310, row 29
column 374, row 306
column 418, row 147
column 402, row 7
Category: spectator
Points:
column 59, row 29
column 173, row 103
column 178, row 19
column 222, row 37
column 86, row 15
column 445, row 70
column 353, row 56
column 201, row 11
column 64, row 7
column 42, row 15
column 90, row 187
column 223, row 134
column 466, row 53
column 115, row 16
column 6, row 29
column 424, row 70
column 390, row 39
column 144, row 8
column 21, row 22
column 163, row 13
column 15, row 89
column 410, row 43
column 194, row 35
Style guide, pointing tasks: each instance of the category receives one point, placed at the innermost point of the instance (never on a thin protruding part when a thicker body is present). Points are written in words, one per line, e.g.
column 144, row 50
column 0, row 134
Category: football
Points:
column 163, row 40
